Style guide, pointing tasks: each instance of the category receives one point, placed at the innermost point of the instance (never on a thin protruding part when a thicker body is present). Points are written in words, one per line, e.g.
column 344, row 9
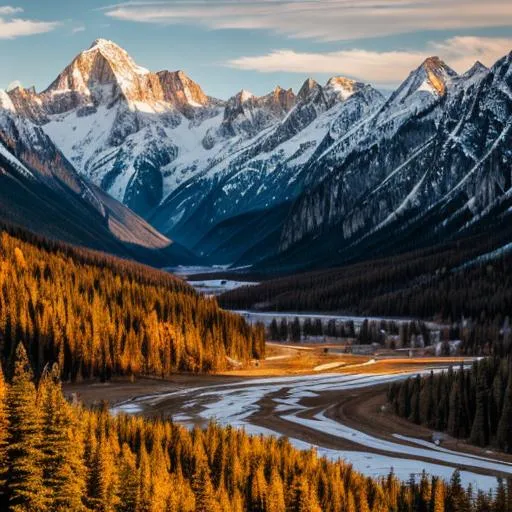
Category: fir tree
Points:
column 480, row 429
column 64, row 469
column 4, row 438
column 25, row 478
column 504, row 432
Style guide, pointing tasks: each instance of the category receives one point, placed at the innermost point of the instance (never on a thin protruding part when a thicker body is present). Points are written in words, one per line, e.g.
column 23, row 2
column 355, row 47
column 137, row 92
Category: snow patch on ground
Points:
column 327, row 366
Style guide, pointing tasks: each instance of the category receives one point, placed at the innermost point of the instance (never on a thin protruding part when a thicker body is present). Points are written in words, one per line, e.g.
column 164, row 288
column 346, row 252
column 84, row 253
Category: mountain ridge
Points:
column 337, row 158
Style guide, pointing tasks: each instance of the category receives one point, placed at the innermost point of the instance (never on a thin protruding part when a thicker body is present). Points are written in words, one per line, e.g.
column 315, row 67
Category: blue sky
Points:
column 227, row 45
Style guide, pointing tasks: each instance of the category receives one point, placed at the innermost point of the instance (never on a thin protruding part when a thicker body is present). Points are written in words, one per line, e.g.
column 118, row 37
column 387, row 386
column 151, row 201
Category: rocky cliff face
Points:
column 182, row 92
column 366, row 154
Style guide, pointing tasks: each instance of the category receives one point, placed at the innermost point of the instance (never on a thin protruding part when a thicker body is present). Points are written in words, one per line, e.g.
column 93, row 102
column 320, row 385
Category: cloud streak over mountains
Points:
column 323, row 20
column 11, row 28
column 387, row 67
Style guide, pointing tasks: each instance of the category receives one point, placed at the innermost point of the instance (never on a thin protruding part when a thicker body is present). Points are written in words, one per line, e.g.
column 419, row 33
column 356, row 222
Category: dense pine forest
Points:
column 452, row 282
column 403, row 334
column 97, row 315
column 59, row 457
column 473, row 404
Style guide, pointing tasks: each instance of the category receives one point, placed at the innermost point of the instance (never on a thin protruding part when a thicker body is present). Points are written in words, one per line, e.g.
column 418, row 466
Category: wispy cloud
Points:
column 11, row 28
column 77, row 30
column 388, row 67
column 8, row 10
column 328, row 20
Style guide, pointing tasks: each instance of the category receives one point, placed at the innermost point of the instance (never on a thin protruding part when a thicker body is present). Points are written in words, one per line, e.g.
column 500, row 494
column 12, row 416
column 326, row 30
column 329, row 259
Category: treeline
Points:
column 295, row 330
column 403, row 334
column 430, row 283
column 58, row 457
column 96, row 315
column 473, row 404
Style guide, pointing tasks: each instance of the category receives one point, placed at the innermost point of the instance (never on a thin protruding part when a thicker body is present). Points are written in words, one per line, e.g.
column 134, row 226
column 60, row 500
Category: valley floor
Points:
column 295, row 393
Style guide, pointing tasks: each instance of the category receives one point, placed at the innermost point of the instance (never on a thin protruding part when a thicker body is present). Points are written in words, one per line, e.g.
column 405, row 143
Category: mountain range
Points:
column 330, row 174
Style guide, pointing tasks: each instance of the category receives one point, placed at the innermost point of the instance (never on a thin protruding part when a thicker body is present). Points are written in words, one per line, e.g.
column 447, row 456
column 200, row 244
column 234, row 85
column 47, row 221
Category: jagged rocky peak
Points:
column 248, row 114
column 101, row 75
column 310, row 88
column 437, row 75
column 476, row 69
column 282, row 98
column 430, row 79
column 342, row 88
column 27, row 104
column 243, row 96
column 181, row 91
column 103, row 63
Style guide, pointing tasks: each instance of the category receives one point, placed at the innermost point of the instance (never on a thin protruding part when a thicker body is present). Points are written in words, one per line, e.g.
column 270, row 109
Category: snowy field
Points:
column 237, row 404
column 218, row 286
column 209, row 286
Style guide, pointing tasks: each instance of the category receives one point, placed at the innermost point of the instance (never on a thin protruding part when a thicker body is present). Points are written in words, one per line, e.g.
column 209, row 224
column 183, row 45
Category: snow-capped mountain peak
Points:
column 341, row 87
column 244, row 95
column 6, row 102
column 438, row 75
column 310, row 88
column 101, row 75
column 475, row 69
column 191, row 162
column 425, row 84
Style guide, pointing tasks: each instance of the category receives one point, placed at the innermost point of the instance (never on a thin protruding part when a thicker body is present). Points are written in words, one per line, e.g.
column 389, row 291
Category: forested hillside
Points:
column 474, row 404
column 96, row 315
column 57, row 457
column 467, row 283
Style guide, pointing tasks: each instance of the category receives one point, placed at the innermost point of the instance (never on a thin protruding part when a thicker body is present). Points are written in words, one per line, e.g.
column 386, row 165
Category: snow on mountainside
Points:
column 144, row 136
column 376, row 152
column 41, row 191
column 267, row 169
column 444, row 167
column 332, row 161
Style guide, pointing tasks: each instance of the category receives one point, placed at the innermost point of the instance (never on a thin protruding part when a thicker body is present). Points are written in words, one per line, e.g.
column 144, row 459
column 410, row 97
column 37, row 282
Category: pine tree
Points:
column 304, row 497
column 480, row 428
column 504, row 432
column 437, row 498
column 64, row 469
column 128, row 479
column 144, row 496
column 456, row 499
column 104, row 478
column 274, row 330
column 427, row 407
column 25, row 480
column 295, row 330
column 283, row 329
column 456, row 417
column 4, row 433
column 415, row 400
column 258, row 490
column 203, row 489
column 275, row 494
column 500, row 504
